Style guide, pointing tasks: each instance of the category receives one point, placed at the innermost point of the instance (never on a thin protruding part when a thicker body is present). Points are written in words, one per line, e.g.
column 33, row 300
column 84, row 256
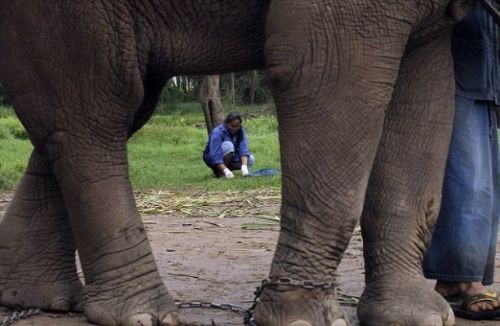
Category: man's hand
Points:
column 228, row 173
column 244, row 170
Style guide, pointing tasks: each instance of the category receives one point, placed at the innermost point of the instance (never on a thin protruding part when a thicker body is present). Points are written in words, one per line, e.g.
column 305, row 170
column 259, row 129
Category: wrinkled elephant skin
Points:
column 364, row 96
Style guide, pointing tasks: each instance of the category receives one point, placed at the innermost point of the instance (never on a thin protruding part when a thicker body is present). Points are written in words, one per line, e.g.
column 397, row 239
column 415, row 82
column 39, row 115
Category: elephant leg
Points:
column 123, row 285
column 37, row 251
column 404, row 192
column 331, row 87
column 79, row 103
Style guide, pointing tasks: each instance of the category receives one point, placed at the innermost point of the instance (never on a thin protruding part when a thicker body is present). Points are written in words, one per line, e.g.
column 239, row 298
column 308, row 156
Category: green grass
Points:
column 165, row 153
column 14, row 149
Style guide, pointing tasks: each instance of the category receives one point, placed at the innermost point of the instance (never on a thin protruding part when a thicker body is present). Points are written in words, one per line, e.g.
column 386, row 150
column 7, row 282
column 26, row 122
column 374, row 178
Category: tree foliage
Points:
column 243, row 87
column 186, row 88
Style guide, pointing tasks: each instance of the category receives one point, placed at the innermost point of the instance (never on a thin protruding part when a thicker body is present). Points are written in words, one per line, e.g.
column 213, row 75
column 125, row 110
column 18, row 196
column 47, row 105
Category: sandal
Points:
column 461, row 306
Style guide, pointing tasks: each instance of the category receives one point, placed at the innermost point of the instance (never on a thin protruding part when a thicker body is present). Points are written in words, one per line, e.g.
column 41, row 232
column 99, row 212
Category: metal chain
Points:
column 248, row 313
column 19, row 314
column 211, row 305
column 285, row 281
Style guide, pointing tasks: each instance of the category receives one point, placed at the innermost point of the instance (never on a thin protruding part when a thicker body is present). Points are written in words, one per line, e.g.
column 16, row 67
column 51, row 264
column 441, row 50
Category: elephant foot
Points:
column 29, row 278
column 292, row 306
column 61, row 296
column 404, row 302
column 144, row 301
column 37, row 250
column 37, row 267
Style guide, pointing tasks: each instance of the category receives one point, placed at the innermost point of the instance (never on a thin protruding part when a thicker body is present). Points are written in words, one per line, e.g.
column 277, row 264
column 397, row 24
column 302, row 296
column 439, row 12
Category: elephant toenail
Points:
column 60, row 305
column 432, row 320
column 340, row 322
column 140, row 320
column 172, row 319
column 300, row 323
column 450, row 319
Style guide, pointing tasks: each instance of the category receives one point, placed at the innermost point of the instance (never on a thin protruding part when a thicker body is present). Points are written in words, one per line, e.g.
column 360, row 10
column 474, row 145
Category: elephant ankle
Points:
column 298, row 304
column 130, row 305
column 413, row 301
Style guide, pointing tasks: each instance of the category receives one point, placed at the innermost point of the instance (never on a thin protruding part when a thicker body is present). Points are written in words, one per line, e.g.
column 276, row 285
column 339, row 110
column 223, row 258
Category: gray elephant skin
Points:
column 364, row 96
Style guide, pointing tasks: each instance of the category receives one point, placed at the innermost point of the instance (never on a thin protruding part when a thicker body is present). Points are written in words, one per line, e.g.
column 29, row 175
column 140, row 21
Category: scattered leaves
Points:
column 260, row 203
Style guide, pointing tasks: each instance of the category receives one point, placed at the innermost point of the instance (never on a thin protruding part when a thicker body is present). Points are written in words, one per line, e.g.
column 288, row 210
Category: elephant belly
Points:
column 211, row 38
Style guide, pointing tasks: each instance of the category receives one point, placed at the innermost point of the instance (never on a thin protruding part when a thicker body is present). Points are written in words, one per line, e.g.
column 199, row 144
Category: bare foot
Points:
column 448, row 289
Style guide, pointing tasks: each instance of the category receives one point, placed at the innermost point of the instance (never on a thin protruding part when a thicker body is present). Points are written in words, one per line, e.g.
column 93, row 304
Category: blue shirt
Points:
column 476, row 56
column 218, row 135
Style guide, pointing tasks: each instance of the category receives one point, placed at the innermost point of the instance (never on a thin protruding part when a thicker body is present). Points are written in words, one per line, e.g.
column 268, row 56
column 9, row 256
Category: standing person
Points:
column 227, row 148
column 461, row 256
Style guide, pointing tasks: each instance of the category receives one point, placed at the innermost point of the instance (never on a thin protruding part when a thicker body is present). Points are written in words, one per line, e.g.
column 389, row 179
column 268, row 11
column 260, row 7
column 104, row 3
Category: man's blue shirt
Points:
column 476, row 56
column 218, row 135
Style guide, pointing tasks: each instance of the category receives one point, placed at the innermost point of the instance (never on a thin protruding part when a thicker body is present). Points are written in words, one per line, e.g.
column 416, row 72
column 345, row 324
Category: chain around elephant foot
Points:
column 285, row 305
column 404, row 302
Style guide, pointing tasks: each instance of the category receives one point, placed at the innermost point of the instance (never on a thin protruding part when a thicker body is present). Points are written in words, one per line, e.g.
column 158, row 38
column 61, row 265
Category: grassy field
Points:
column 166, row 153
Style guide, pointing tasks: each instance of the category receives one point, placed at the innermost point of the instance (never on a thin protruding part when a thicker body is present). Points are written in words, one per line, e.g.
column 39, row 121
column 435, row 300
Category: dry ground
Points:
column 220, row 257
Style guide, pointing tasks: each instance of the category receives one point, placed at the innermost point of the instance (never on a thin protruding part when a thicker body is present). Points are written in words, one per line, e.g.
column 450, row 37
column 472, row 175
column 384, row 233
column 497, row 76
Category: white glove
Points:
column 228, row 173
column 244, row 170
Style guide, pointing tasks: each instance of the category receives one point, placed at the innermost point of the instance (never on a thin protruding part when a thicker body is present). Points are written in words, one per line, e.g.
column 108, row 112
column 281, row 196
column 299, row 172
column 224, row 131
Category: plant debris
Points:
column 260, row 203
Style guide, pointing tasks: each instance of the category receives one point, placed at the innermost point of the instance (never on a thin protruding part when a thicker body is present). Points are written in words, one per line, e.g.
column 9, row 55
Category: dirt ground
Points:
column 221, row 259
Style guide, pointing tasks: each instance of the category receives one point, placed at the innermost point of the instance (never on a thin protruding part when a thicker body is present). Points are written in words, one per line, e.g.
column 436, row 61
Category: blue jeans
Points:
column 228, row 147
column 464, row 240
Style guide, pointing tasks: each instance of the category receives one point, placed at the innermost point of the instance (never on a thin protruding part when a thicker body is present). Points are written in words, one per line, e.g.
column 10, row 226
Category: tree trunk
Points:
column 253, row 86
column 233, row 101
column 210, row 101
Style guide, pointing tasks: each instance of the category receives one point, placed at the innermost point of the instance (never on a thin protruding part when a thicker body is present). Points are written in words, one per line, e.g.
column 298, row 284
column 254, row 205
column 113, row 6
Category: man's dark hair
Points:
column 231, row 116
